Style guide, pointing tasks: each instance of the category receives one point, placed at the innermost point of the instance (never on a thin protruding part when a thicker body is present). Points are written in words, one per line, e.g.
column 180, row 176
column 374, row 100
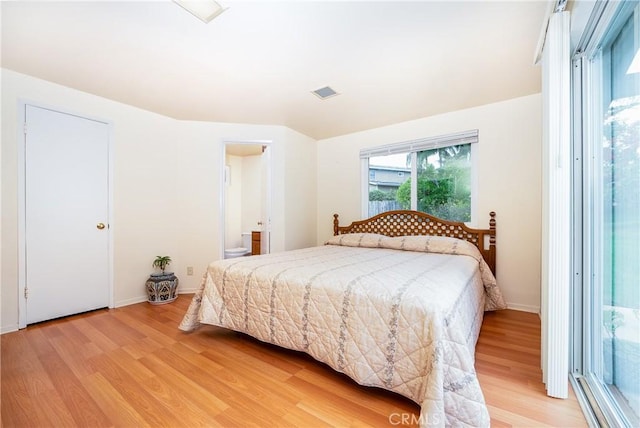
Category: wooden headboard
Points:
column 407, row 222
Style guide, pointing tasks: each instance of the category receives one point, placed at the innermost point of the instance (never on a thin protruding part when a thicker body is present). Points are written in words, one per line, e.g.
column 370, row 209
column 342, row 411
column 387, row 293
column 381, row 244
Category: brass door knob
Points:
column 100, row 226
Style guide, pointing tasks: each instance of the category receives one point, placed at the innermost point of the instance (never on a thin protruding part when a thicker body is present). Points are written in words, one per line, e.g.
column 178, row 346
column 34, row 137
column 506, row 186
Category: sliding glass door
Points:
column 621, row 218
column 609, row 292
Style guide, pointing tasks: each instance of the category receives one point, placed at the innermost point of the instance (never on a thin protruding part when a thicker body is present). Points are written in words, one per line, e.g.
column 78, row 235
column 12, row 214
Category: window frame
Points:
column 413, row 147
column 586, row 363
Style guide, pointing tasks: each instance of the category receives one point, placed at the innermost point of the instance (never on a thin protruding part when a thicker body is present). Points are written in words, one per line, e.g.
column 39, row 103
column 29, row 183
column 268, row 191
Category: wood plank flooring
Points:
column 132, row 367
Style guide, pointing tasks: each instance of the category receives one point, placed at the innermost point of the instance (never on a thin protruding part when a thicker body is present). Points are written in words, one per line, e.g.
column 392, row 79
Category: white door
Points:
column 66, row 206
column 265, row 191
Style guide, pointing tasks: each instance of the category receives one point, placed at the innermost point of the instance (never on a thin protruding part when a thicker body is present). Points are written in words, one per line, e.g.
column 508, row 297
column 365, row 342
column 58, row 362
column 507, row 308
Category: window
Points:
column 432, row 175
column 607, row 352
column 444, row 182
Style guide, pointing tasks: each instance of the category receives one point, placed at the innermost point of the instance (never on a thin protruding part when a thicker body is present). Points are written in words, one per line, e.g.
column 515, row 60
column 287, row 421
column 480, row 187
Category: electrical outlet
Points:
column 189, row 270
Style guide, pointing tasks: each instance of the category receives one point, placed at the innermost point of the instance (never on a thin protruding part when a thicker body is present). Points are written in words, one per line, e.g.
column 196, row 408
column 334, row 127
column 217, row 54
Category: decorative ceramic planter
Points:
column 162, row 288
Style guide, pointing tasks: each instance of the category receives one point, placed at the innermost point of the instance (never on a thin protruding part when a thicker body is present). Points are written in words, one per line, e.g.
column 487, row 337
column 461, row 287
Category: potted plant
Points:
column 162, row 286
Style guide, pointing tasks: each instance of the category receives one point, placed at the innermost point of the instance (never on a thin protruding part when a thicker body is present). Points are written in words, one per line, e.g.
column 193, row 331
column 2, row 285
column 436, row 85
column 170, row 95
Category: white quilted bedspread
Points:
column 399, row 313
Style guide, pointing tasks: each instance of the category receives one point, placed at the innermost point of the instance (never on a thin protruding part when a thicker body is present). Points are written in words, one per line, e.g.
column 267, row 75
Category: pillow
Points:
column 420, row 243
column 367, row 240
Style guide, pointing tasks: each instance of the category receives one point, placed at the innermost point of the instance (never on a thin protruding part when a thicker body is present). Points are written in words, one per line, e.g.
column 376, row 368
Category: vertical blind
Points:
column 556, row 206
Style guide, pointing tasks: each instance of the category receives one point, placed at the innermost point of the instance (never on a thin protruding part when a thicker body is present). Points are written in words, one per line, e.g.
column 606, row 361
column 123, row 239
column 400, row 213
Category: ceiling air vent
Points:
column 324, row 93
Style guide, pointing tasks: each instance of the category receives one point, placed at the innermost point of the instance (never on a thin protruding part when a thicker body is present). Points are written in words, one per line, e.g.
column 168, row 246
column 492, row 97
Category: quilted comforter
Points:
column 399, row 313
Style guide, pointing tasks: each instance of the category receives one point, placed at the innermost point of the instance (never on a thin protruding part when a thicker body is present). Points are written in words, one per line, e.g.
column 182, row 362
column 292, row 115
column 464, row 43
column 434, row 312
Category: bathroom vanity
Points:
column 255, row 242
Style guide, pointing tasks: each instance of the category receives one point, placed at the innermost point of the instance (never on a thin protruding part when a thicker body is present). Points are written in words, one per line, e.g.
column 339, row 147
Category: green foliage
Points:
column 443, row 191
column 403, row 194
column 161, row 262
column 379, row 195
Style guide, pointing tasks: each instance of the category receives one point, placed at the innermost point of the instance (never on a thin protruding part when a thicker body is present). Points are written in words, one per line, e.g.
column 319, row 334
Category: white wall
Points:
column 166, row 188
column 251, row 193
column 299, row 190
column 233, row 205
column 509, row 170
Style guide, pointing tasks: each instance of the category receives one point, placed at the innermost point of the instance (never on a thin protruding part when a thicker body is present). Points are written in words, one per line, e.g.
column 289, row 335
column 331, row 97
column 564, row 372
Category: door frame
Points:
column 223, row 187
column 22, row 211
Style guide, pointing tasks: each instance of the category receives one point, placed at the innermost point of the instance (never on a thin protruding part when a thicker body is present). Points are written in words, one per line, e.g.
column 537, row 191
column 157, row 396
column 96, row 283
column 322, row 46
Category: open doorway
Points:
column 245, row 198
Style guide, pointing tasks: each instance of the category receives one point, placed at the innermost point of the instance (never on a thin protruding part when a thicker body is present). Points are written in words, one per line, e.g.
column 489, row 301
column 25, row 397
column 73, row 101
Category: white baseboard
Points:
column 524, row 308
column 131, row 301
column 8, row 328
column 141, row 299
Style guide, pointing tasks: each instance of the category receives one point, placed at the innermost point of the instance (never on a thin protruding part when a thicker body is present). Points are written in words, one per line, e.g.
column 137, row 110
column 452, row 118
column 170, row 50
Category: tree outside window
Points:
column 433, row 175
column 444, row 183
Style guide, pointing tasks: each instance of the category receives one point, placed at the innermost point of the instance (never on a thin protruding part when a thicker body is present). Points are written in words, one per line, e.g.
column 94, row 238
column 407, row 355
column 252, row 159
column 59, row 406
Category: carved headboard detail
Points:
column 407, row 222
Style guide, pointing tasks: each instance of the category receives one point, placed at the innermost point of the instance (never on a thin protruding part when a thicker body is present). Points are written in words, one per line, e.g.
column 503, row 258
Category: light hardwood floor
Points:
column 132, row 367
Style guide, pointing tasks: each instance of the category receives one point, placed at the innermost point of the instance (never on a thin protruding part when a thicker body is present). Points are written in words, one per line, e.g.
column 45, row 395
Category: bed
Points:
column 394, row 301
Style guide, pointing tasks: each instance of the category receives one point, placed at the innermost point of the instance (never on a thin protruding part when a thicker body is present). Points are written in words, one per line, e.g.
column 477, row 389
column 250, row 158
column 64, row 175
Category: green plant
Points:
column 379, row 195
column 161, row 262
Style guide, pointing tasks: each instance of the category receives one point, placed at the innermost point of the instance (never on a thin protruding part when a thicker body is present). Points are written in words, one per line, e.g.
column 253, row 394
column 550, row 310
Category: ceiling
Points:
column 259, row 61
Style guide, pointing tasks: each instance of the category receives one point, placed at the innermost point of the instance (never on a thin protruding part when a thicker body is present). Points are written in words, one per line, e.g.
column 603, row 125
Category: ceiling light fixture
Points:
column 204, row 10
column 324, row 93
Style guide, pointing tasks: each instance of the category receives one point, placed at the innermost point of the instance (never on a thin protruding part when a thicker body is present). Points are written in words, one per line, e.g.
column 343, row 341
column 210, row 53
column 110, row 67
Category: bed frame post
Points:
column 492, row 240
column 335, row 224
